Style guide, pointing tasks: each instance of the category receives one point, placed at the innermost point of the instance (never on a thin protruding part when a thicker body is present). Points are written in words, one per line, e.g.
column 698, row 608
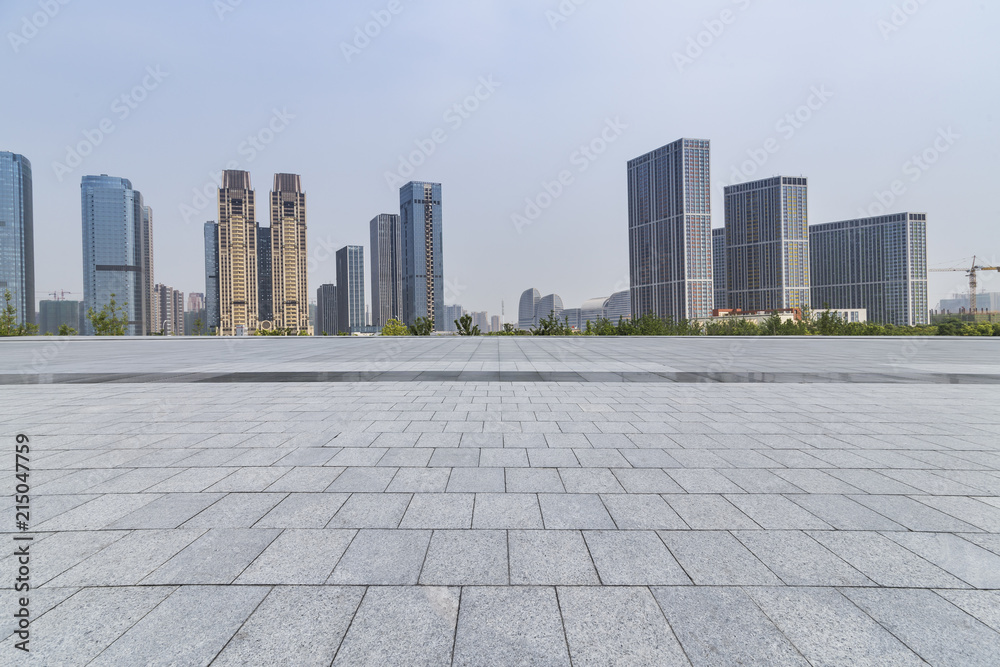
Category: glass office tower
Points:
column 387, row 284
column 211, row 277
column 351, row 289
column 114, row 249
column 17, row 250
column 875, row 263
column 719, row 279
column 767, row 244
column 421, row 253
column 670, row 231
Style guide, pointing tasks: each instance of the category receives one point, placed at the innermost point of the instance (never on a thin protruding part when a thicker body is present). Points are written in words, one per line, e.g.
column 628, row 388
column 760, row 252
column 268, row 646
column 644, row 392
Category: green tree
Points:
column 8, row 319
column 110, row 320
column 423, row 326
column 66, row 330
column 199, row 327
column 465, row 328
column 394, row 328
column 551, row 326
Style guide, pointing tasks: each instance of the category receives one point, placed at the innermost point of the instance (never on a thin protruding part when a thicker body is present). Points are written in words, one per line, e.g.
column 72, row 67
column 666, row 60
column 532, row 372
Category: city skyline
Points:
column 520, row 133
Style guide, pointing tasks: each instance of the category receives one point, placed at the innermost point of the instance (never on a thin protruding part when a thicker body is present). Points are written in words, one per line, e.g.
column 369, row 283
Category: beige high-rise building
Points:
column 289, row 275
column 238, row 298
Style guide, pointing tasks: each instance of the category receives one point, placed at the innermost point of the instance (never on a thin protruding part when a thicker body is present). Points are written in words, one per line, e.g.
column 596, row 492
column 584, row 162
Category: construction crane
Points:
column 973, row 274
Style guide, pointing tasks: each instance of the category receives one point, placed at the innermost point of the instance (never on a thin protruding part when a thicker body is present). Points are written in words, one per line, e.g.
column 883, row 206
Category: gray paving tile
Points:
column 217, row 557
column 466, row 558
column 168, row 511
column 774, row 512
column 970, row 563
column 828, row 629
column 455, row 458
column 799, row 560
column 77, row 630
column 371, row 510
column 504, row 458
column 535, row 480
column 189, row 627
column 703, row 481
column 968, row 510
column 128, row 560
column 298, row 557
column 915, row 516
column 550, row 557
column 816, row 481
column 843, row 513
column 402, row 626
column 723, row 626
column 574, row 511
column 300, row 625
column 553, row 458
column 938, row 631
column 983, row 605
column 235, row 510
column 646, row 480
column 303, row 510
column 633, row 558
column 717, row 559
column 97, row 513
column 383, row 558
column 191, row 480
column 301, row 480
column 362, row 480
column 642, row 512
column 509, row 626
column 439, row 511
column 420, row 480
column 709, row 512
column 477, row 480
column 58, row 553
column 884, row 561
column 590, row 480
column 617, row 626
column 506, row 510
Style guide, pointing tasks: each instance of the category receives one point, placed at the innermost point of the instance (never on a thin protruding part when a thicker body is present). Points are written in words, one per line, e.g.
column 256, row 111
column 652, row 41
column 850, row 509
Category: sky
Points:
column 527, row 112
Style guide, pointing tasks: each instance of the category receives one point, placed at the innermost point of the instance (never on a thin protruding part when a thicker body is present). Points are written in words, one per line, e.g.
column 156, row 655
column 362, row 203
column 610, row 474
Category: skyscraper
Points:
column 147, row 256
column 719, row 278
column 17, row 251
column 451, row 314
column 265, row 293
column 387, row 284
column 495, row 324
column 114, row 250
column 875, row 263
column 549, row 306
column 421, row 254
column 211, row 277
column 326, row 311
column 169, row 307
column 767, row 244
column 289, row 276
column 481, row 320
column 670, row 231
column 238, row 299
column 351, row 288
column 526, row 309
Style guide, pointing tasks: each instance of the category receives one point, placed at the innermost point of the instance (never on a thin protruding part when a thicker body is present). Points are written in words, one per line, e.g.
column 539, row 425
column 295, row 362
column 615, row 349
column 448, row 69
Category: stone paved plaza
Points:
column 507, row 502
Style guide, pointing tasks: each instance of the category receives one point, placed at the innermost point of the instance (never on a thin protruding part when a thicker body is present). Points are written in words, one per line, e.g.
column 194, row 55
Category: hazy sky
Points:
column 535, row 81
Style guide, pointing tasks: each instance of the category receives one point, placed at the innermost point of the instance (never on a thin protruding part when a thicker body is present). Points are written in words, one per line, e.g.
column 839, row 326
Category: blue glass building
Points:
column 17, row 250
column 212, row 276
column 351, row 289
column 386, row 281
column 114, row 248
column 423, row 262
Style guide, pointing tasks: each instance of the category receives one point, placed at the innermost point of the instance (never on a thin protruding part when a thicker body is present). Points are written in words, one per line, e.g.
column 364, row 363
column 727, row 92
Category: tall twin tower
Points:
column 262, row 273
